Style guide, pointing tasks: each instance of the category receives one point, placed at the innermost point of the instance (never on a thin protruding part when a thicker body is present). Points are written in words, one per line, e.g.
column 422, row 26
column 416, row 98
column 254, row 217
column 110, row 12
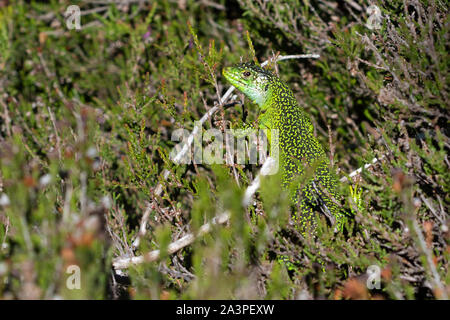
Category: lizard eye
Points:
column 246, row 74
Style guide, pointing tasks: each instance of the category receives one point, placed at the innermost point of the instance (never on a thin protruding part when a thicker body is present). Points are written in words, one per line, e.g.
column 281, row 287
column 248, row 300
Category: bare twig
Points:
column 6, row 117
column 58, row 139
column 359, row 170
column 440, row 291
column 433, row 211
column 251, row 189
column 123, row 263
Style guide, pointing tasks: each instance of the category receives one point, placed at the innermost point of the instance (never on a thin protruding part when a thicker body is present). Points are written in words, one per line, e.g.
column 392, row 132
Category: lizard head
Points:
column 251, row 80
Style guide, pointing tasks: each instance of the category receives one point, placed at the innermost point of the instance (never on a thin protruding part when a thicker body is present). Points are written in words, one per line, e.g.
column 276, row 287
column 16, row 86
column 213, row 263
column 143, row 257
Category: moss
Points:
column 86, row 127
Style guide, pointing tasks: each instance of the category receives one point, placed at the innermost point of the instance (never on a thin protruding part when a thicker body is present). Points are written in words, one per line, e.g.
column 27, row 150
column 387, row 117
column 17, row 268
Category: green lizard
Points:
column 298, row 146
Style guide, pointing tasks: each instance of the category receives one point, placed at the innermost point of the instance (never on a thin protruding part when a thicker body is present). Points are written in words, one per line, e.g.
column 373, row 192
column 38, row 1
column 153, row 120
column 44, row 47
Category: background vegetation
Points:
column 86, row 118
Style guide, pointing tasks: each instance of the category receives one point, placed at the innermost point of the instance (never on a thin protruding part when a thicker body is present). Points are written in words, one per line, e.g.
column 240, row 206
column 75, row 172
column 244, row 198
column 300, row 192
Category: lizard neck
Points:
column 286, row 110
column 296, row 131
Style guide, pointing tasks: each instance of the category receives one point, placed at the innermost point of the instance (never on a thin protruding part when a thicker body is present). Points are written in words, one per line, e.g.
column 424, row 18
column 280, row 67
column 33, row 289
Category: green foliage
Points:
column 86, row 123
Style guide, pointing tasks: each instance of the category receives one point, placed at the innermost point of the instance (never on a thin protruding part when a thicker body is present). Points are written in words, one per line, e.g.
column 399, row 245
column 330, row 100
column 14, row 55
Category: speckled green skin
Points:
column 299, row 148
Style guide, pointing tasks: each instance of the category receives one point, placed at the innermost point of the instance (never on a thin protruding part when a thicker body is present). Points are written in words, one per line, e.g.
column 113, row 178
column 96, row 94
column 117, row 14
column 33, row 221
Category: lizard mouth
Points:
column 232, row 78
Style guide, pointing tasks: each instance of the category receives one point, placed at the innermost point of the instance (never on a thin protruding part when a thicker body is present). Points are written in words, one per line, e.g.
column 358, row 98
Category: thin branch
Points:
column 433, row 211
column 359, row 170
column 254, row 186
column 222, row 218
column 123, row 263
column 440, row 290
column 58, row 139
column 7, row 119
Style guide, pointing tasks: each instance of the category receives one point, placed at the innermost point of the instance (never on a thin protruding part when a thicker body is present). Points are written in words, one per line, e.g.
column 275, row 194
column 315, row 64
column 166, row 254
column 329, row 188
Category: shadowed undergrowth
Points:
column 86, row 123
